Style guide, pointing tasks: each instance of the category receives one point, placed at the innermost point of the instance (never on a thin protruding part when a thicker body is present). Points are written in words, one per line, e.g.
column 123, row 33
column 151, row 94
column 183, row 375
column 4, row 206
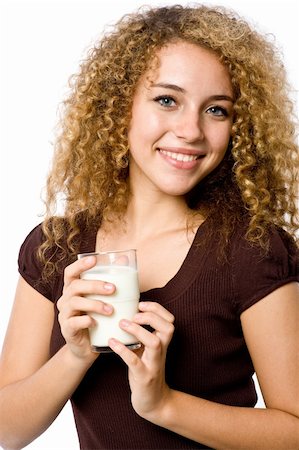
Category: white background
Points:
column 42, row 43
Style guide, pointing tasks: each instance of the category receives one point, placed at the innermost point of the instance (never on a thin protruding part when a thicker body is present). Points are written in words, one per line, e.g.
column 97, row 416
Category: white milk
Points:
column 124, row 301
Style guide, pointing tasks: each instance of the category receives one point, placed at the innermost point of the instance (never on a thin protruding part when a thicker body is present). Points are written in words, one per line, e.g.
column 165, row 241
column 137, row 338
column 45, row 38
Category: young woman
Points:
column 178, row 141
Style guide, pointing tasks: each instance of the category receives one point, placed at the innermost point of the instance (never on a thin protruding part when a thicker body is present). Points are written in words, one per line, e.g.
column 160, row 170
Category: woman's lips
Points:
column 181, row 158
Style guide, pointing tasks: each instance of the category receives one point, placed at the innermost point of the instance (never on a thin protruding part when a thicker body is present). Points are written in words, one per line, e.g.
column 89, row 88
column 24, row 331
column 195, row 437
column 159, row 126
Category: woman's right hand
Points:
column 73, row 307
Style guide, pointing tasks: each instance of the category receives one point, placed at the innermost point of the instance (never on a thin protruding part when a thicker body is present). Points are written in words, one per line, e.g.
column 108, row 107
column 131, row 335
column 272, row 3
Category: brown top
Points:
column 207, row 356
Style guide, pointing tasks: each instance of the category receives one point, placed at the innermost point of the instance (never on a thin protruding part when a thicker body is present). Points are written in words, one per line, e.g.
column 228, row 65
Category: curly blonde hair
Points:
column 258, row 177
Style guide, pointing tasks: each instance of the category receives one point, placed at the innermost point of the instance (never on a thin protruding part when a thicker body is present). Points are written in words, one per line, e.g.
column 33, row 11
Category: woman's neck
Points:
column 147, row 219
column 145, row 215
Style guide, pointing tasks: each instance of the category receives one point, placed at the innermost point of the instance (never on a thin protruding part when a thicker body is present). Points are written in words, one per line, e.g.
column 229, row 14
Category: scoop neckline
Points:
column 183, row 277
column 186, row 272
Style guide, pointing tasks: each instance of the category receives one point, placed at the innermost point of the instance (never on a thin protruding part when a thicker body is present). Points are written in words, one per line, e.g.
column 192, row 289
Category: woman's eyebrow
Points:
column 174, row 87
column 222, row 97
column 177, row 88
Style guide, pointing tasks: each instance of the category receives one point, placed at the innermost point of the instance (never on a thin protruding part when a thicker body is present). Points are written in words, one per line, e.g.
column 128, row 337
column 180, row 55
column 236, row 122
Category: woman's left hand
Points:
column 147, row 364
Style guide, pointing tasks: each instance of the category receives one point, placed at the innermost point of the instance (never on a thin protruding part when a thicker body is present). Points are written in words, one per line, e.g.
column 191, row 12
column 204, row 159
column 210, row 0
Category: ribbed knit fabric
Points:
column 207, row 357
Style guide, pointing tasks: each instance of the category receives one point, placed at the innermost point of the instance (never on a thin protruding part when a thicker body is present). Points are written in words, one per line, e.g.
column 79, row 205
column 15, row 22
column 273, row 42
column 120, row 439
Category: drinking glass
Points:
column 119, row 268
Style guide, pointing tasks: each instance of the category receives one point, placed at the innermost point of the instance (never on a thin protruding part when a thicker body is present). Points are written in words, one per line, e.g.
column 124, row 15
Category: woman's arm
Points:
column 34, row 388
column 272, row 335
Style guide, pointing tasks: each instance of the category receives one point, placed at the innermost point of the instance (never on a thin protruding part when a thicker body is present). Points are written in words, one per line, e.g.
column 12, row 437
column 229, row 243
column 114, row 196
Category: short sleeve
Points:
column 256, row 274
column 30, row 268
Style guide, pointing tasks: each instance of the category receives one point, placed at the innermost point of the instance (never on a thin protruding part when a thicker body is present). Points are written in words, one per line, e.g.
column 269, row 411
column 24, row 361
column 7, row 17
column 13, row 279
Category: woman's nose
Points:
column 188, row 127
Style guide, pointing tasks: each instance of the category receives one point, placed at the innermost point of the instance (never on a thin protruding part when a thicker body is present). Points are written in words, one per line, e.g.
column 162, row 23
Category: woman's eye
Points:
column 165, row 100
column 217, row 111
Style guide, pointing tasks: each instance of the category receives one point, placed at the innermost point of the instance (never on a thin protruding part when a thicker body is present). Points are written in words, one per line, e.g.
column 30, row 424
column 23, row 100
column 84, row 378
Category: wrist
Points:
column 161, row 415
column 78, row 362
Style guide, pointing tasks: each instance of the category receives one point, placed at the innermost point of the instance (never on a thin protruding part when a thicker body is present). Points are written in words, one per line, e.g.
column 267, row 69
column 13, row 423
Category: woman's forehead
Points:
column 185, row 62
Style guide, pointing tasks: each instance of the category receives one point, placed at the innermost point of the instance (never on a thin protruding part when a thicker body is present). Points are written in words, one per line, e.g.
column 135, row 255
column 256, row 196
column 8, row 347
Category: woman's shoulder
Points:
column 32, row 241
column 279, row 244
column 257, row 271
column 50, row 238
column 30, row 263
column 37, row 235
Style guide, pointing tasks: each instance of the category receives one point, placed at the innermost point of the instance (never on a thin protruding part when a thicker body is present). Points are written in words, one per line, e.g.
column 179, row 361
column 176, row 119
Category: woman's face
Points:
column 181, row 120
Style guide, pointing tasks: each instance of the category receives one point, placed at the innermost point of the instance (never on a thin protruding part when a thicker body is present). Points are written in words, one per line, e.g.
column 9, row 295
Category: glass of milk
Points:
column 119, row 268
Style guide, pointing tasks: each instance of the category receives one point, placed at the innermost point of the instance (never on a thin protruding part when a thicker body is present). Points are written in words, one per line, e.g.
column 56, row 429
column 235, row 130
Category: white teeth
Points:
column 179, row 156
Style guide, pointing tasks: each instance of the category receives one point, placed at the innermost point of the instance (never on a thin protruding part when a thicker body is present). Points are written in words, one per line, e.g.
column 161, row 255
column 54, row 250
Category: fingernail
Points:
column 108, row 286
column 108, row 308
column 88, row 260
column 114, row 344
column 125, row 323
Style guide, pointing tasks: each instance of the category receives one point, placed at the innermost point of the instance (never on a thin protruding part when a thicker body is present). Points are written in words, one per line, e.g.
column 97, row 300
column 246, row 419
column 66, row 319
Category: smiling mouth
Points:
column 180, row 156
